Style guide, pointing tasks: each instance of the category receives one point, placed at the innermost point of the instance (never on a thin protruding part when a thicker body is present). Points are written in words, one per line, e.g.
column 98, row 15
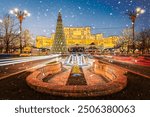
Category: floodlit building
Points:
column 79, row 35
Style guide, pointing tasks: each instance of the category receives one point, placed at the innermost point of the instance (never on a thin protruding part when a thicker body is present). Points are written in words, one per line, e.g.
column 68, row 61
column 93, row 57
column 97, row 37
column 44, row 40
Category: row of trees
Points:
column 141, row 42
column 9, row 35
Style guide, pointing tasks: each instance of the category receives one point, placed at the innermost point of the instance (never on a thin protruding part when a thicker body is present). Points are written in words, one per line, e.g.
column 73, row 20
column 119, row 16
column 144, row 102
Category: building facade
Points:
column 79, row 35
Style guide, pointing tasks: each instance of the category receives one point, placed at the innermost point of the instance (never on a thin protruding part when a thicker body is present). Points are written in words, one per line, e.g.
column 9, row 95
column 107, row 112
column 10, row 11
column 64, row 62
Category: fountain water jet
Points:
column 77, row 59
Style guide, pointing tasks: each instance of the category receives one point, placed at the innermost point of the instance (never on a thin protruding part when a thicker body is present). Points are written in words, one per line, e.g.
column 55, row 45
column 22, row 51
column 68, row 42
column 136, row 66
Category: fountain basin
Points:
column 76, row 91
column 96, row 89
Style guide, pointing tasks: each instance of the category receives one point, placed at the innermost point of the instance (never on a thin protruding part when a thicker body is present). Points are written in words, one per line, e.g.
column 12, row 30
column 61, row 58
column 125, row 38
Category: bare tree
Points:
column 124, row 43
column 9, row 32
column 127, row 37
column 1, row 44
column 145, row 41
column 120, row 44
column 27, row 38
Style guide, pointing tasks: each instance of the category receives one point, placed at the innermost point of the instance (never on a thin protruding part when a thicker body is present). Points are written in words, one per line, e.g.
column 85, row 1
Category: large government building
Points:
column 80, row 36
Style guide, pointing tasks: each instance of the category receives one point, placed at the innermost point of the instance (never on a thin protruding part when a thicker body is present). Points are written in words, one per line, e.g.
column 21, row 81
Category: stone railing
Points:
column 51, row 68
column 108, row 71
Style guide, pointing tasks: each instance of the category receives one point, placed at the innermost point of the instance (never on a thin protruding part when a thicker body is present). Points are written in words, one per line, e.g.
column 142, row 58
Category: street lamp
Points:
column 133, row 15
column 21, row 15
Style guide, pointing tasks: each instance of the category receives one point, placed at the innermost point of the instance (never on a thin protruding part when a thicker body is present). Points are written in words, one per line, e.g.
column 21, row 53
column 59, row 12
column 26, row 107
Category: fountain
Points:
column 81, row 60
column 77, row 78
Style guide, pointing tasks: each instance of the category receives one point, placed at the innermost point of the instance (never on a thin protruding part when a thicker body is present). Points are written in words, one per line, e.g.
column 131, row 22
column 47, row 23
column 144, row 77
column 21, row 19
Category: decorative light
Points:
column 19, row 14
column 137, row 14
column 11, row 12
column 25, row 11
column 16, row 9
column 142, row 11
column 28, row 14
column 138, row 9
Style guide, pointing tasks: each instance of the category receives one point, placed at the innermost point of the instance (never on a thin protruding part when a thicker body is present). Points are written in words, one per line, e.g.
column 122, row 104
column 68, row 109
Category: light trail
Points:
column 4, row 62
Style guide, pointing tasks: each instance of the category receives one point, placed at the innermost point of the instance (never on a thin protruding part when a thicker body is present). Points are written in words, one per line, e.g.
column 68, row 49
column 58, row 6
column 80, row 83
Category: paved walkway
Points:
column 61, row 78
column 91, row 78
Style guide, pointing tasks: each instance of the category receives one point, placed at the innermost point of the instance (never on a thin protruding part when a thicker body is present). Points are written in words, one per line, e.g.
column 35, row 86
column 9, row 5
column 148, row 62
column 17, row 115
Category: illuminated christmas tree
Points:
column 59, row 44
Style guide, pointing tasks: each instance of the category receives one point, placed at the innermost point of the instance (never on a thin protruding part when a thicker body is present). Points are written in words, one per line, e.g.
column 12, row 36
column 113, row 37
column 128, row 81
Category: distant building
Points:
column 78, row 35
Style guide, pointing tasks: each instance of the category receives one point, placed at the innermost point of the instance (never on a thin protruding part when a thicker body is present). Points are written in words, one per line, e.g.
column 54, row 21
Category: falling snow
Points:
column 81, row 13
column 111, row 14
column 119, row 2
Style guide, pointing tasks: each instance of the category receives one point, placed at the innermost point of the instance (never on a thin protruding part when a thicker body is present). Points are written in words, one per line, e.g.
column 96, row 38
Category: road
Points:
column 11, row 61
column 143, row 70
column 17, row 65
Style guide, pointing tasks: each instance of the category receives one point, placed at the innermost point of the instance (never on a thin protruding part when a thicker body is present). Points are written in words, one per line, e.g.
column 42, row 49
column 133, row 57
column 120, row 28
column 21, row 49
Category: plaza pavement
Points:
column 91, row 78
column 60, row 78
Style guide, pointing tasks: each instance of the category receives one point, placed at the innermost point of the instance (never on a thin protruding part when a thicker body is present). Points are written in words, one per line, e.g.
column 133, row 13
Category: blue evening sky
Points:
column 104, row 16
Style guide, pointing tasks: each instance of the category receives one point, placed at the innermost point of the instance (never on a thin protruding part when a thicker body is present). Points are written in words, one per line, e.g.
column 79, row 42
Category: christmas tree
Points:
column 59, row 44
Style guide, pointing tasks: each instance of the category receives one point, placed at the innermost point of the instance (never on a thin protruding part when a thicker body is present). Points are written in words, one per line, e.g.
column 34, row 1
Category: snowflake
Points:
column 110, row 14
column 53, row 31
column 119, row 2
column 45, row 14
column 93, row 12
column 44, row 30
column 79, row 8
column 127, row 25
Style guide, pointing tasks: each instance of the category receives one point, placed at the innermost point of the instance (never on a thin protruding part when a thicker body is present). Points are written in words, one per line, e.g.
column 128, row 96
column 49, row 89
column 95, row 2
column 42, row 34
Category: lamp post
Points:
column 133, row 15
column 21, row 15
